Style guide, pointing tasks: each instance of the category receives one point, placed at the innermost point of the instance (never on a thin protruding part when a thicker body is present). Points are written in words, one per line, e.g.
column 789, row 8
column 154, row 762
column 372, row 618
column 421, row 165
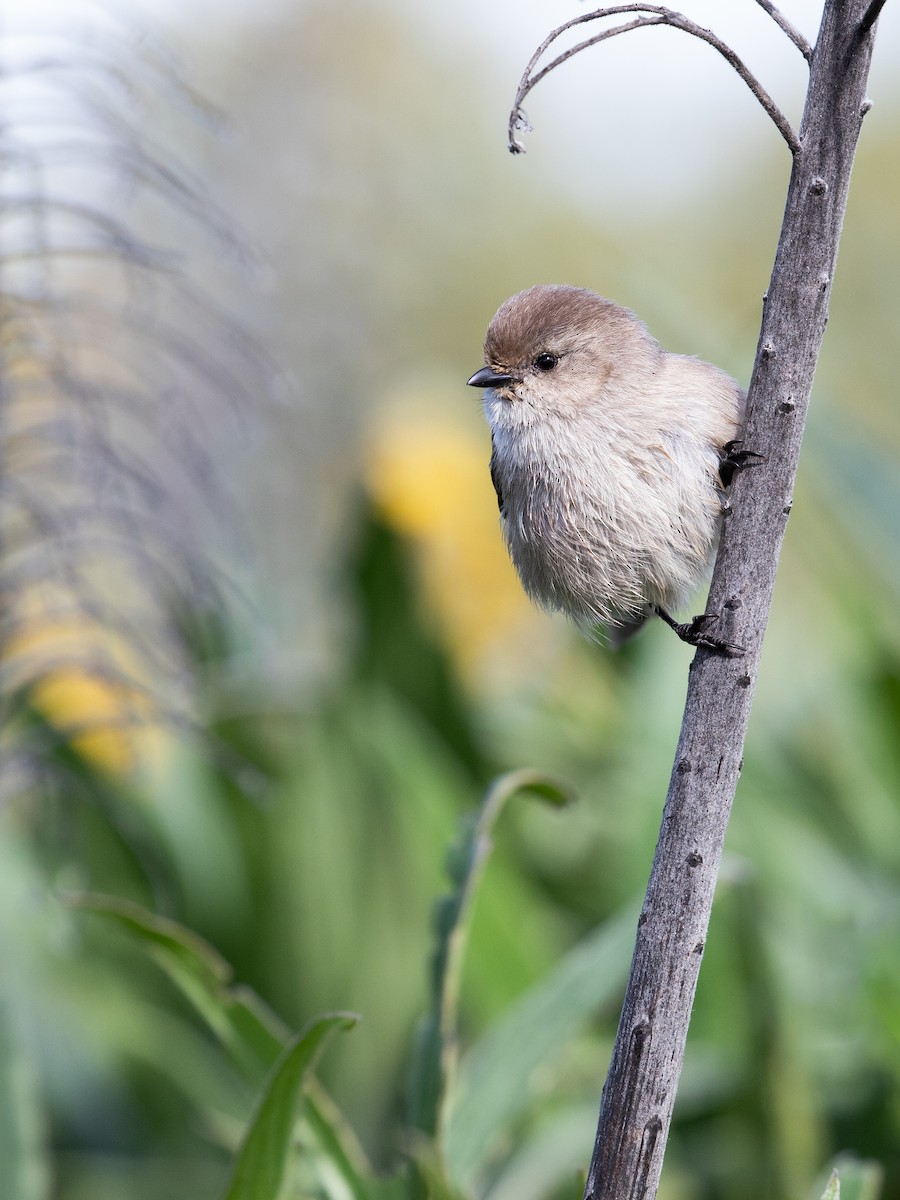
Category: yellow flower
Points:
column 428, row 477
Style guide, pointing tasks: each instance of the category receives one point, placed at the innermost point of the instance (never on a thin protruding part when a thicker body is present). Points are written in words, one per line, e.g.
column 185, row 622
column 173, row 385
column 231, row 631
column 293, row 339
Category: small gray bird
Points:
column 609, row 458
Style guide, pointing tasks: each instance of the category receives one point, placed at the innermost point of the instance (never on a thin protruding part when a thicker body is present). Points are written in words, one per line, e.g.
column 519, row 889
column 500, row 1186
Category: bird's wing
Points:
column 495, row 478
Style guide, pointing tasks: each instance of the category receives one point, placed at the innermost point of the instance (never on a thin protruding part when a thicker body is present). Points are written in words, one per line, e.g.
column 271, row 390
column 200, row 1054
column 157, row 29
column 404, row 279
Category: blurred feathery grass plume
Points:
column 85, row 680
column 122, row 378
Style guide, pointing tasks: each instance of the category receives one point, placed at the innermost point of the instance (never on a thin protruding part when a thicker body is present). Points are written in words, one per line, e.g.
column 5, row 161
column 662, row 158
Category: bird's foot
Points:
column 736, row 458
column 695, row 633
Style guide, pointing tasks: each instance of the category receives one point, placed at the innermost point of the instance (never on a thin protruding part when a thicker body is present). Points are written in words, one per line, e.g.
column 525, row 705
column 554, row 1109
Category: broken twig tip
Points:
column 518, row 123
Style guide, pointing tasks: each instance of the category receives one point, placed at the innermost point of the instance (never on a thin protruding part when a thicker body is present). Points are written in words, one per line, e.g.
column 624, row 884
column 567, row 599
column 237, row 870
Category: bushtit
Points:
column 609, row 459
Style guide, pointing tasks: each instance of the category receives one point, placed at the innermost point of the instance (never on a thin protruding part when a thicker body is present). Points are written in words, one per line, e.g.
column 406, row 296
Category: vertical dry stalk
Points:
column 640, row 1089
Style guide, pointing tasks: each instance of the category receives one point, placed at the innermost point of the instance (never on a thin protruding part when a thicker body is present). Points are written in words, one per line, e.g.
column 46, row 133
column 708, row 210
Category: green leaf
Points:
column 833, row 1188
column 239, row 1017
column 495, row 1081
column 551, row 1162
column 24, row 1165
column 548, row 787
column 260, row 1165
column 338, row 1143
column 430, row 1181
column 854, row 1179
column 435, row 1050
column 241, row 1020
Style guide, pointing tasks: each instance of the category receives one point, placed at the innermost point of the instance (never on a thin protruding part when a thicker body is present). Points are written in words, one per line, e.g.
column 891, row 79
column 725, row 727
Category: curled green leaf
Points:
column 260, row 1165
column 240, row 1019
column 435, row 1053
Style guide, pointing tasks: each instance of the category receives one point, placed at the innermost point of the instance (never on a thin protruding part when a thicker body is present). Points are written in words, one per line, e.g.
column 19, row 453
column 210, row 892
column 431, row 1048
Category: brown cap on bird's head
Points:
column 535, row 329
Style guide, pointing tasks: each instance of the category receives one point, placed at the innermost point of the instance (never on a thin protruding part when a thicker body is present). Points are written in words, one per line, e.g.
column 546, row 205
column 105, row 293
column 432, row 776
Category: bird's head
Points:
column 553, row 350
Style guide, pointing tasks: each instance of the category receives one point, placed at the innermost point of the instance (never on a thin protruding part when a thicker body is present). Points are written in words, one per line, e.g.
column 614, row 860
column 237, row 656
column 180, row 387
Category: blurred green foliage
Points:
column 303, row 830
column 793, row 1049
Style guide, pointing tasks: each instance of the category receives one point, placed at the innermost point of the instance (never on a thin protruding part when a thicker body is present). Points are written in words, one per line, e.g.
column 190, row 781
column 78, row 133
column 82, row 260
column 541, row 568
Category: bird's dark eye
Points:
column 546, row 361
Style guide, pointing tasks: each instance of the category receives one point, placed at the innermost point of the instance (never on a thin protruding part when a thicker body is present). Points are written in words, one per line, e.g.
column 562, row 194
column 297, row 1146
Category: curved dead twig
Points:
column 658, row 16
column 786, row 27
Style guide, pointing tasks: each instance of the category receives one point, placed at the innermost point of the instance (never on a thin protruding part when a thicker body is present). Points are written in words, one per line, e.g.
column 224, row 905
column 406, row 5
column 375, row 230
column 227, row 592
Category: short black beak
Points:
column 487, row 377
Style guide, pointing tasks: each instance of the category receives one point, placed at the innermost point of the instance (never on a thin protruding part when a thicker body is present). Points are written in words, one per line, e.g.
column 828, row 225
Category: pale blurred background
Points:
column 301, row 578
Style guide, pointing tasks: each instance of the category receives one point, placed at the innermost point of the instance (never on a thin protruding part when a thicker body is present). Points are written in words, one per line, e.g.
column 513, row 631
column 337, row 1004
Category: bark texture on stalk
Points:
column 639, row 1093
